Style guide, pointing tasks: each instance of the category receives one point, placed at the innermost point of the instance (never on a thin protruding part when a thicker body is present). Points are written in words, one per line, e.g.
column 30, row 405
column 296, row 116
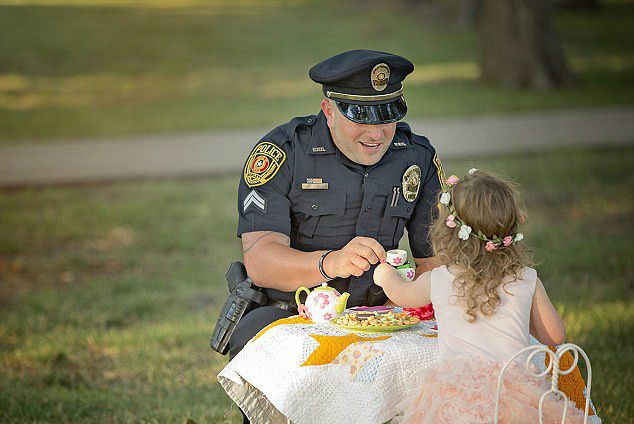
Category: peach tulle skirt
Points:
column 463, row 392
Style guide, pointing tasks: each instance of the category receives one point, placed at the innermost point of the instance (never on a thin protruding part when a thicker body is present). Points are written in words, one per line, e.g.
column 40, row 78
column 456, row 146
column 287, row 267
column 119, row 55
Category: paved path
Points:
column 215, row 153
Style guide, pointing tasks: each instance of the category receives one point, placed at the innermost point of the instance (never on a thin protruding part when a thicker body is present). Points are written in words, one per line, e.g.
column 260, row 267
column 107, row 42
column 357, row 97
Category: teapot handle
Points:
column 297, row 293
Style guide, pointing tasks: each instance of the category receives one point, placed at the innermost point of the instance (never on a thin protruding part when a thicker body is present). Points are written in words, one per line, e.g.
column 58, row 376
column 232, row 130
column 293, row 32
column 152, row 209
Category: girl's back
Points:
column 494, row 338
column 485, row 314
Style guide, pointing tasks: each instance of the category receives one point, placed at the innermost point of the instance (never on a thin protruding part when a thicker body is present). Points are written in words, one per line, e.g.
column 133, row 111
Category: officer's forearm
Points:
column 272, row 263
column 284, row 268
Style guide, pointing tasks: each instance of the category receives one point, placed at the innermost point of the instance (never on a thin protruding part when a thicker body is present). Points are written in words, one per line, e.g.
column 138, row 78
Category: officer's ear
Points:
column 329, row 111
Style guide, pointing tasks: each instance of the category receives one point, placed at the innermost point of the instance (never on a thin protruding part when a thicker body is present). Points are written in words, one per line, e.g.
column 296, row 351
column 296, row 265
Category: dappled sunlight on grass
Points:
column 603, row 62
column 433, row 73
column 22, row 93
column 221, row 7
column 584, row 321
column 30, row 93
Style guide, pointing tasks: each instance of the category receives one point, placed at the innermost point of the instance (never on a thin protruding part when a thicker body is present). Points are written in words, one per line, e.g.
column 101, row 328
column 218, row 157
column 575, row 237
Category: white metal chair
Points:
column 553, row 368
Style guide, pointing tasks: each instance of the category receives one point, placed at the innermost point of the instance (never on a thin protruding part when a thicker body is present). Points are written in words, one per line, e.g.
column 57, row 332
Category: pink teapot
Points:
column 322, row 304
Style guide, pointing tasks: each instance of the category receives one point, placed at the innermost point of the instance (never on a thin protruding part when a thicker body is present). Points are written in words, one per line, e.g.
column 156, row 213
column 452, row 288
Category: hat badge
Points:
column 380, row 76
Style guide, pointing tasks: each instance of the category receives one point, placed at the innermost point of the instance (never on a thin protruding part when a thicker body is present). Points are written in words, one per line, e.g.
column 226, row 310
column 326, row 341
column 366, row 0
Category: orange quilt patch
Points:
column 290, row 320
column 572, row 385
column 331, row 346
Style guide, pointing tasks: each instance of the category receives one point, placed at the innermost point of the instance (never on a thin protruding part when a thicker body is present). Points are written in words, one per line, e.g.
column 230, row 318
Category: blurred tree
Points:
column 518, row 46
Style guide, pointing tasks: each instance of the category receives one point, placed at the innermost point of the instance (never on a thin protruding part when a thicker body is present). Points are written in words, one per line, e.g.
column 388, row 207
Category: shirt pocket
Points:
column 321, row 209
column 393, row 223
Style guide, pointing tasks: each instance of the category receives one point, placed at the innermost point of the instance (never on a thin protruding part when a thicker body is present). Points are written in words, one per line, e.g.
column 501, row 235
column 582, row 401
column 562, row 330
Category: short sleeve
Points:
column 263, row 203
column 426, row 209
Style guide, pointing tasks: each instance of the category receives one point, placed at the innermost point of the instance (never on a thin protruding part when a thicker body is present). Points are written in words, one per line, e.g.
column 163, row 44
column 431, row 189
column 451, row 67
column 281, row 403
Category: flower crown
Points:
column 465, row 231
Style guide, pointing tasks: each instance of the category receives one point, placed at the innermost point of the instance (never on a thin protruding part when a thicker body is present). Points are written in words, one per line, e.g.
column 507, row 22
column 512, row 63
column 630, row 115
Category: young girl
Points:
column 487, row 299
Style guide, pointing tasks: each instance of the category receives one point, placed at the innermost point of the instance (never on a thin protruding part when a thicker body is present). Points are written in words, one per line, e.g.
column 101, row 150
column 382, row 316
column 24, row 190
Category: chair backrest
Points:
column 552, row 368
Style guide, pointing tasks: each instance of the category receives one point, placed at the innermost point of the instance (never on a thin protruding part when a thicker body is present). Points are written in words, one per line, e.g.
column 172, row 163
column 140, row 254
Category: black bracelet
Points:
column 321, row 265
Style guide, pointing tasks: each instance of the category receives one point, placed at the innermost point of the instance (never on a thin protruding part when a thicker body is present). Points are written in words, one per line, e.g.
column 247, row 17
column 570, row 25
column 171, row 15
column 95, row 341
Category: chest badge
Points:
column 263, row 163
column 314, row 184
column 411, row 183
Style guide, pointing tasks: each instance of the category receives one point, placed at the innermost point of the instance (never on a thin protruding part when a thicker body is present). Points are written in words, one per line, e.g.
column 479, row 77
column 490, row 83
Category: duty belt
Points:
column 283, row 305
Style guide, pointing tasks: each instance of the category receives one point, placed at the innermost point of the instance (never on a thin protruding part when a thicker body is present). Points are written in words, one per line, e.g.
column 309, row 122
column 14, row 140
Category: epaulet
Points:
column 285, row 133
column 415, row 138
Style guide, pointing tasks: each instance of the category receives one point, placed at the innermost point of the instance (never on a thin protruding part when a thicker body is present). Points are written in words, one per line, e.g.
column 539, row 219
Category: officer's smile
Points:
column 370, row 145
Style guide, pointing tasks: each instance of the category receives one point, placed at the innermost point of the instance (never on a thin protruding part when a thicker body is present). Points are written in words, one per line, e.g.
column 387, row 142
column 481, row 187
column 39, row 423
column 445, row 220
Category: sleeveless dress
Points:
column 461, row 390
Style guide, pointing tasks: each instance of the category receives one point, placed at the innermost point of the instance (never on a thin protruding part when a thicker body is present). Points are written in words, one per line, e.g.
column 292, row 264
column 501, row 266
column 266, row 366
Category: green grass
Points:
column 109, row 293
column 89, row 68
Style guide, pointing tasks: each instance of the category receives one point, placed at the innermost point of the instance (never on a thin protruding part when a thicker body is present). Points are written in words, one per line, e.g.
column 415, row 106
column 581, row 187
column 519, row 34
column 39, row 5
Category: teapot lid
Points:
column 324, row 287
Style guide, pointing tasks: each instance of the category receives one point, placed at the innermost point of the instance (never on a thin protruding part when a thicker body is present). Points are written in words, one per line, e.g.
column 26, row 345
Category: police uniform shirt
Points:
column 296, row 182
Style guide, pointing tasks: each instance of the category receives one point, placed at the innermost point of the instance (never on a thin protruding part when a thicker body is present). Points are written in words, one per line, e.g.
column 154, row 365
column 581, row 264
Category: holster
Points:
column 376, row 296
column 243, row 297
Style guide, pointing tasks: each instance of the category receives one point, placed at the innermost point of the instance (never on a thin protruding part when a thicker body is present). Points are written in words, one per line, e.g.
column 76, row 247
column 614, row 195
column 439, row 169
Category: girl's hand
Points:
column 383, row 273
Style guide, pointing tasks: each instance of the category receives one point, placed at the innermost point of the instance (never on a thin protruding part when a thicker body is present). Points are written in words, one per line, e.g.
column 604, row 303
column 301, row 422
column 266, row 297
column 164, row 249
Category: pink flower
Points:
column 303, row 311
column 507, row 240
column 490, row 246
column 450, row 221
column 327, row 316
column 322, row 300
column 410, row 274
column 452, row 180
column 397, row 261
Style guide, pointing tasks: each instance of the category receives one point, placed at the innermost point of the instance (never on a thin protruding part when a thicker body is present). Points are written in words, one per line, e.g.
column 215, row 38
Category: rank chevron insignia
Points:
column 253, row 198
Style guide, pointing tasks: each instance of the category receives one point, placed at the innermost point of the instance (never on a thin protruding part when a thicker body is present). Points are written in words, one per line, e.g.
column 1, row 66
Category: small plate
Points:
column 371, row 329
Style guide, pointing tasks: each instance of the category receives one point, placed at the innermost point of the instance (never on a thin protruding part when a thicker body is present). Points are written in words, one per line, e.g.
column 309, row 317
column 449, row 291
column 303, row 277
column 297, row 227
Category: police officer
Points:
column 323, row 197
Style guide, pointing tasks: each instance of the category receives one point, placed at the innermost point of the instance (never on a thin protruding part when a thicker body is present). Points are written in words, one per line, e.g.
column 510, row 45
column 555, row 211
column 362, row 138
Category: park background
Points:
column 109, row 290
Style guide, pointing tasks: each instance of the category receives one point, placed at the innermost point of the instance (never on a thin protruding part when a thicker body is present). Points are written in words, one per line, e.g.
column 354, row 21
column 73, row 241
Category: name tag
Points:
column 314, row 186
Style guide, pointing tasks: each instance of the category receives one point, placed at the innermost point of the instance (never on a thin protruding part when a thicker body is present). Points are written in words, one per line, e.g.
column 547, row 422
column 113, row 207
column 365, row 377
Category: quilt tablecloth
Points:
column 317, row 373
column 305, row 373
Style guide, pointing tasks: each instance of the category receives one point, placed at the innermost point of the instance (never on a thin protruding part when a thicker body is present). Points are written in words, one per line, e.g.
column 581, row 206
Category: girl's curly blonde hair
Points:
column 492, row 205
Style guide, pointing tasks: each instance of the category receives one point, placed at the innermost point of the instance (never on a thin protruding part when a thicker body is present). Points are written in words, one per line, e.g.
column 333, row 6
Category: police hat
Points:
column 365, row 84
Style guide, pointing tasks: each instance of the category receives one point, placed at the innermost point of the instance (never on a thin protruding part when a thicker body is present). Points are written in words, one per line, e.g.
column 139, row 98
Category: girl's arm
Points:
column 404, row 293
column 546, row 324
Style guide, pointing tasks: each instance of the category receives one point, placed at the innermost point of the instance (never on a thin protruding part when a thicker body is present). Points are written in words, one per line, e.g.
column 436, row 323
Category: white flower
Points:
column 519, row 237
column 445, row 198
column 464, row 232
column 472, row 170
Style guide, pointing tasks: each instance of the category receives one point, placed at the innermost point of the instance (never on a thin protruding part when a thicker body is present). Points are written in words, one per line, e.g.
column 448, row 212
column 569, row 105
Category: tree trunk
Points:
column 518, row 46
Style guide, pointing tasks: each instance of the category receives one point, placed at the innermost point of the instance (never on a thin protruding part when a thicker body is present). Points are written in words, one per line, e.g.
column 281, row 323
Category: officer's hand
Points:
column 355, row 257
column 384, row 273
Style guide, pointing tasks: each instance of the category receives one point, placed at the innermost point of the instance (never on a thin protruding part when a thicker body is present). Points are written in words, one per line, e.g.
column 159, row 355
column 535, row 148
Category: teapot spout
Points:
column 342, row 301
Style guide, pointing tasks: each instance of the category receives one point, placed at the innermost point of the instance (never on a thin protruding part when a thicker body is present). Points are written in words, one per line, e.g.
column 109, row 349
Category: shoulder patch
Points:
column 263, row 163
column 440, row 172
